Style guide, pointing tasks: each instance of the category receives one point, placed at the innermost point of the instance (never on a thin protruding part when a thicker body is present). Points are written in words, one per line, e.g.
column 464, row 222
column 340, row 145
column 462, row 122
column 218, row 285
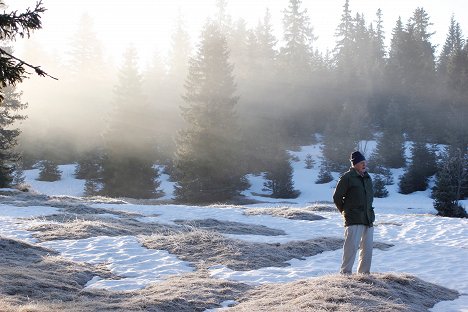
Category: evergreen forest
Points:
column 236, row 99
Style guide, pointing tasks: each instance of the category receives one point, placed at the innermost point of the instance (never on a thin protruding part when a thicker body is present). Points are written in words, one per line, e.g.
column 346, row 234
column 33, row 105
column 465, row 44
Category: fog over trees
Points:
column 237, row 100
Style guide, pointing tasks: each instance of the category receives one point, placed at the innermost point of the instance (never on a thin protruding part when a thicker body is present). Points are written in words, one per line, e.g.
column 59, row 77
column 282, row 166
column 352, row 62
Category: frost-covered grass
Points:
column 102, row 254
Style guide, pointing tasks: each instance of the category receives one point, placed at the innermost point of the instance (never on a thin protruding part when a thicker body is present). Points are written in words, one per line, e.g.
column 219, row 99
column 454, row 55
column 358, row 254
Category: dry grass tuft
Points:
column 207, row 248
column 35, row 279
column 285, row 212
column 230, row 227
column 187, row 292
column 31, row 272
column 379, row 292
column 86, row 227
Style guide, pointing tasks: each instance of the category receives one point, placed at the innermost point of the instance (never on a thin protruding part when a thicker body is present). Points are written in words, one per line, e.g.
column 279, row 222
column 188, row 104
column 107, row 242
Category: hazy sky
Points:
column 147, row 24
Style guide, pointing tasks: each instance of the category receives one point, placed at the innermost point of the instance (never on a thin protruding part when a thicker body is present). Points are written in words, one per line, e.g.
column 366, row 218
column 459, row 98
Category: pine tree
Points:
column 86, row 56
column 422, row 166
column 12, row 26
column 239, row 50
column 380, row 191
column 280, row 177
column 179, row 55
column 390, row 148
column 208, row 165
column 10, row 115
column 450, row 181
column 457, row 77
column 266, row 41
column 309, row 162
column 87, row 67
column 423, row 59
column 344, row 48
column 49, row 171
column 342, row 138
column 453, row 44
column 127, row 167
column 396, row 58
column 297, row 55
column 324, row 175
column 89, row 166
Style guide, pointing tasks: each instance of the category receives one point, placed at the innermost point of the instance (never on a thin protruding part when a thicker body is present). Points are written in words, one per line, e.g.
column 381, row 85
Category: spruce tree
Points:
column 49, row 171
column 179, row 54
column 297, row 54
column 280, row 177
column 88, row 68
column 309, row 162
column 324, row 175
column 89, row 168
column 390, row 148
column 208, row 165
column 266, row 42
column 380, row 191
column 127, row 166
column 453, row 44
column 396, row 59
column 343, row 51
column 451, row 179
column 13, row 70
column 422, row 166
column 15, row 25
column 10, row 115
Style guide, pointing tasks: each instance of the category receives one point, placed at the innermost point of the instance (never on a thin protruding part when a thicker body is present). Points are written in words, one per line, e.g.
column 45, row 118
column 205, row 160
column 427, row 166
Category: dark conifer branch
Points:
column 37, row 69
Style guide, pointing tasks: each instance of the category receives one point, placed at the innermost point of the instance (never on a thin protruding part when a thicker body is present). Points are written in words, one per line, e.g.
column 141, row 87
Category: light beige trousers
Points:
column 357, row 237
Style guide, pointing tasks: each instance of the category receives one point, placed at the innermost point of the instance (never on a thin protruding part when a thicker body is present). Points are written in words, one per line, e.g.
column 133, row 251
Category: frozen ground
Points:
column 429, row 247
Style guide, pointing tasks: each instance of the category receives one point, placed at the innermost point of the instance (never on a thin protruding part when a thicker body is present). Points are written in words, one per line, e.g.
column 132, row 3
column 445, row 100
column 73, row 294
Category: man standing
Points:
column 353, row 197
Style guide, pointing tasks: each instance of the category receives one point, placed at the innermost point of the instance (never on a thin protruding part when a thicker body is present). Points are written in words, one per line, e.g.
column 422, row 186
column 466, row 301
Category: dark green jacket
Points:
column 353, row 197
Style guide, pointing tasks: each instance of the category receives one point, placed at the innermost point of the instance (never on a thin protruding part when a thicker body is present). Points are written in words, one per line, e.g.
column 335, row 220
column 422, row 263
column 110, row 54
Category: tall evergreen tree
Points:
column 10, row 115
column 239, row 50
column 339, row 141
column 457, row 77
column 378, row 51
column 208, row 165
column 179, row 55
column 390, row 147
column 127, row 168
column 343, row 51
column 396, row 59
column 297, row 55
column 423, row 60
column 167, row 100
column 266, row 40
column 223, row 18
column 297, row 64
column 453, row 44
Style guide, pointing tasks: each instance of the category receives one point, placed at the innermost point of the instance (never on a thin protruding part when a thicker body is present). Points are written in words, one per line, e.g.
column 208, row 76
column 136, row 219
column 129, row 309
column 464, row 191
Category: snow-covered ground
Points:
column 430, row 247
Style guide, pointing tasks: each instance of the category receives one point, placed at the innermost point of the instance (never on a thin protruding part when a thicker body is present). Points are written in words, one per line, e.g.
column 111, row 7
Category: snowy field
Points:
column 432, row 248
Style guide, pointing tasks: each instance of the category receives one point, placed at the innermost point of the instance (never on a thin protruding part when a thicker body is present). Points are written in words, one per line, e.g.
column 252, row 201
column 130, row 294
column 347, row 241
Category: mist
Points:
column 286, row 91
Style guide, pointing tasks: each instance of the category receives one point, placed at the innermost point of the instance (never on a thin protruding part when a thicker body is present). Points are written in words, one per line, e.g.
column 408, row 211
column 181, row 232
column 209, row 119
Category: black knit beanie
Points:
column 356, row 157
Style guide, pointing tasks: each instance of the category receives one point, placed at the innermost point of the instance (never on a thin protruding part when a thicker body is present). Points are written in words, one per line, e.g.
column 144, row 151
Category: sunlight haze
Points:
column 148, row 24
